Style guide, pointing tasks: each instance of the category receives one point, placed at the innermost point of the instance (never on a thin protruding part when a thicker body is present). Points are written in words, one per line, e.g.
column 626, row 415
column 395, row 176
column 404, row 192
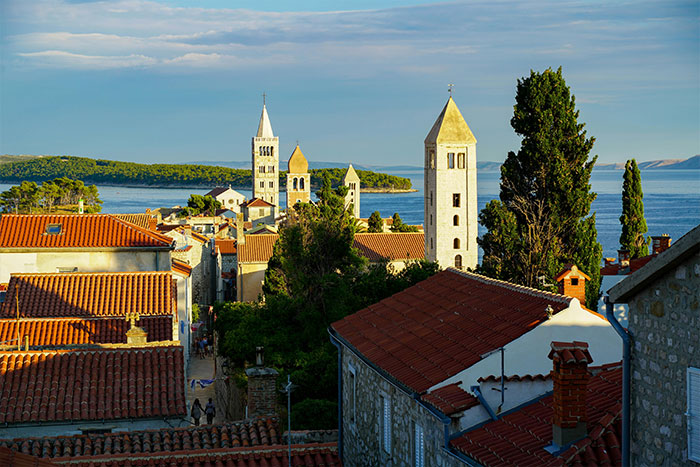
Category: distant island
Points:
column 15, row 168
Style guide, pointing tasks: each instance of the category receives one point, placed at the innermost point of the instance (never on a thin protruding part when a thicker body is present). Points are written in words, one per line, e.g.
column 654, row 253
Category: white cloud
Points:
column 62, row 59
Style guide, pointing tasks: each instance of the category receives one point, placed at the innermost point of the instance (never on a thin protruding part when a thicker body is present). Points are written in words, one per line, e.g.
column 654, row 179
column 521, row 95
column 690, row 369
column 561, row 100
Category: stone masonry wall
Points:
column 361, row 436
column 665, row 327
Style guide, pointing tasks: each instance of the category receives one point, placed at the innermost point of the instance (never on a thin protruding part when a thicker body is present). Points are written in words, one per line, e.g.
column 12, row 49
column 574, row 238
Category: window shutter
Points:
column 693, row 414
column 387, row 425
column 419, row 452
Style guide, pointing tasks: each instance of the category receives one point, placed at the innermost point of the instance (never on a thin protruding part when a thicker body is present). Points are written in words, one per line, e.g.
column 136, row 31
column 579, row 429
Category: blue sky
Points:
column 359, row 81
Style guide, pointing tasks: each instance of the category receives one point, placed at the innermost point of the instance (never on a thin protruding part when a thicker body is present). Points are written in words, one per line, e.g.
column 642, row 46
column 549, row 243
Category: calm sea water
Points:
column 671, row 201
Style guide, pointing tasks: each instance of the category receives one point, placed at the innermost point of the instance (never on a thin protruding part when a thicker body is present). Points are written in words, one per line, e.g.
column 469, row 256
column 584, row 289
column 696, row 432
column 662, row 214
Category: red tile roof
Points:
column 615, row 269
column 181, row 267
column 76, row 231
column 444, row 324
column 89, row 294
column 142, row 220
column 520, row 436
column 451, row 399
column 53, row 386
column 11, row 458
column 226, row 246
column 256, row 203
column 61, row 332
column 571, row 352
column 257, row 248
column 249, row 433
column 390, row 246
column 497, row 379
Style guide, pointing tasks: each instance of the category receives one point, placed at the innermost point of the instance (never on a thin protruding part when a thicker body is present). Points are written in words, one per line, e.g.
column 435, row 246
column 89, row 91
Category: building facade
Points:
column 265, row 168
column 298, row 179
column 450, row 191
column 352, row 181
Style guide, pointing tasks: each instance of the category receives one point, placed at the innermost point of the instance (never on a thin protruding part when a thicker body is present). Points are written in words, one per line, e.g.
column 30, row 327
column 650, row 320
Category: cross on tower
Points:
column 132, row 316
column 449, row 88
column 263, row 94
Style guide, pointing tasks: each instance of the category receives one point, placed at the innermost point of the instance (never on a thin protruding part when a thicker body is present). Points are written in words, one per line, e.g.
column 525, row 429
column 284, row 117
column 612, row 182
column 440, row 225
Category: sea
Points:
column 671, row 201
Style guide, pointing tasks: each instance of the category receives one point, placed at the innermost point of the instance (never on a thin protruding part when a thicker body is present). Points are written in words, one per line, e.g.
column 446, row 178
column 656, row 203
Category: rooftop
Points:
column 256, row 203
column 97, row 384
column 444, row 324
column 297, row 162
column 226, row 246
column 89, row 294
column 21, row 231
column 451, row 399
column 450, row 127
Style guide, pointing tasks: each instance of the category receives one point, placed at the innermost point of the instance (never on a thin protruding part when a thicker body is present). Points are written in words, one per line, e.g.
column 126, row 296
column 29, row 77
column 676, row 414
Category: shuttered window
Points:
column 386, row 423
column 418, row 450
column 693, row 414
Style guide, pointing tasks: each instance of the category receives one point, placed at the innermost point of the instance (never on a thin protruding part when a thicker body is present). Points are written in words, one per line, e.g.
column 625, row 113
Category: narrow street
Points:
column 200, row 369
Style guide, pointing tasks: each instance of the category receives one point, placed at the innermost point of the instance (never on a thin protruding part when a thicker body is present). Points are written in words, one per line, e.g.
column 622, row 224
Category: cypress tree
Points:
column 375, row 223
column 634, row 226
column 543, row 219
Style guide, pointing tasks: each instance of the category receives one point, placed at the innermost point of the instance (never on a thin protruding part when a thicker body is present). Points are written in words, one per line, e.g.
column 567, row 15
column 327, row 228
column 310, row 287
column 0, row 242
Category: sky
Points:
column 352, row 81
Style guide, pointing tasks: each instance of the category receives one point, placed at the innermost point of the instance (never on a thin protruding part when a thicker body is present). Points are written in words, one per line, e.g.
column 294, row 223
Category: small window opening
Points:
column 574, row 281
column 456, row 200
column 450, row 160
column 456, row 243
column 458, row 261
column 455, row 220
column 53, row 229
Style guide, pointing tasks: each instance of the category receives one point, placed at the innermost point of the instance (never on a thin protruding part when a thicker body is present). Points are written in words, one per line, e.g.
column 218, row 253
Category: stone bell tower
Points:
column 298, row 179
column 266, row 162
column 450, row 191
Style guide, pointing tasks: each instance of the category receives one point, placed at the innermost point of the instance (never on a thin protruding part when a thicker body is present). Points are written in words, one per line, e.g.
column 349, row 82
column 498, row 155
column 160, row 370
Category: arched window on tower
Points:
column 294, row 184
column 301, row 183
column 458, row 261
column 455, row 220
column 456, row 243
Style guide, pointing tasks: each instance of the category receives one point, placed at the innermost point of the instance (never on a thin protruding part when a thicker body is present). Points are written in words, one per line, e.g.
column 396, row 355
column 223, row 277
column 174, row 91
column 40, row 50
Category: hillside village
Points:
column 103, row 319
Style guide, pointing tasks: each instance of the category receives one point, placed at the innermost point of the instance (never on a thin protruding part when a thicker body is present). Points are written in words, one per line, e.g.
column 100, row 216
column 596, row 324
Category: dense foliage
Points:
column 634, row 225
column 314, row 278
column 61, row 194
column 375, row 223
column 200, row 205
column 129, row 173
column 397, row 225
column 542, row 220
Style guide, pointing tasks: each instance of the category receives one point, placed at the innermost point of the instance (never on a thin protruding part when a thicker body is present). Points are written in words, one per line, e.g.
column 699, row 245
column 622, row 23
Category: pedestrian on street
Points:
column 202, row 348
column 210, row 410
column 196, row 411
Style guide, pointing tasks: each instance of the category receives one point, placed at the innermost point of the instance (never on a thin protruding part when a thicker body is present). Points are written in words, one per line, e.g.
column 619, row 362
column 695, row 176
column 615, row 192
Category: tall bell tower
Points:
column 450, row 191
column 266, row 162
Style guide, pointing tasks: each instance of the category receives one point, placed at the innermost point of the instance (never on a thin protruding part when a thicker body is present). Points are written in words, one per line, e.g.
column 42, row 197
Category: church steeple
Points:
column 298, row 179
column 264, row 127
column 352, row 181
column 265, row 162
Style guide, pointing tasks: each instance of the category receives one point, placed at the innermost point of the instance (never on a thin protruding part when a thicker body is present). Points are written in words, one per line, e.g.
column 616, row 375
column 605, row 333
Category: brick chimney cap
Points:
column 571, row 352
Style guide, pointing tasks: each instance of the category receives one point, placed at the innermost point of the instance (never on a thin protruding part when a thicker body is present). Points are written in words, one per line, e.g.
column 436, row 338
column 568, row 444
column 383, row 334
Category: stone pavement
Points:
column 200, row 369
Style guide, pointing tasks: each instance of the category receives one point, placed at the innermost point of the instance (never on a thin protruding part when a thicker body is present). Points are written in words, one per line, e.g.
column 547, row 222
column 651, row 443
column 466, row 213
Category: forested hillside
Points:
column 129, row 173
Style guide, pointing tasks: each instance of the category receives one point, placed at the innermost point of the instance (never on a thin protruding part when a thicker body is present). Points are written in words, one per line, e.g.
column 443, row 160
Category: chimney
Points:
column 660, row 243
column 240, row 236
column 152, row 223
column 609, row 261
column 262, row 388
column 135, row 335
column 623, row 257
column 570, row 380
column 572, row 283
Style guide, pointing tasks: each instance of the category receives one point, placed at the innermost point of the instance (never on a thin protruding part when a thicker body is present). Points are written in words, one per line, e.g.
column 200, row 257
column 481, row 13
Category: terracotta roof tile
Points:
column 391, row 246
column 256, row 203
column 89, row 294
column 571, row 352
column 519, row 437
column 48, row 386
column 635, row 264
column 451, row 399
column 60, row 332
column 181, row 267
column 142, row 220
column 76, row 231
column 497, row 379
column 249, row 433
column 257, row 248
column 226, row 246
column 11, row 458
column 444, row 324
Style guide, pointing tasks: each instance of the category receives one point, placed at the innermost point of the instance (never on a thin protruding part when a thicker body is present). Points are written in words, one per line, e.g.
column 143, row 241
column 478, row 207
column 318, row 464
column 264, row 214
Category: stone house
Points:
column 258, row 211
column 664, row 328
column 410, row 364
column 78, row 243
column 226, row 263
column 228, row 197
column 195, row 250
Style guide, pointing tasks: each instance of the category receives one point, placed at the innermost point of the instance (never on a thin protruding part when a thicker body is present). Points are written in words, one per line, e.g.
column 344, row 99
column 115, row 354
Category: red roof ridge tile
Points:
column 516, row 287
column 152, row 233
column 526, row 377
column 571, row 352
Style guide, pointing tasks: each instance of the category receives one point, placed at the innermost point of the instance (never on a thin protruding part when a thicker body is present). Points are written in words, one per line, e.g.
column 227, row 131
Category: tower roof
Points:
column 351, row 175
column 297, row 162
column 264, row 127
column 450, row 127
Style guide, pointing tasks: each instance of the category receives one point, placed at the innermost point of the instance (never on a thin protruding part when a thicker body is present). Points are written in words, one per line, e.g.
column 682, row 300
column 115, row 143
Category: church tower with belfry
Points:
column 298, row 179
column 352, row 198
column 450, row 191
column 265, row 147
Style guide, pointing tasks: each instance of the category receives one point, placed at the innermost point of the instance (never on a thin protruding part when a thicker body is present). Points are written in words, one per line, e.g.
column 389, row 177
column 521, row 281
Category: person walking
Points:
column 196, row 411
column 202, row 347
column 210, row 411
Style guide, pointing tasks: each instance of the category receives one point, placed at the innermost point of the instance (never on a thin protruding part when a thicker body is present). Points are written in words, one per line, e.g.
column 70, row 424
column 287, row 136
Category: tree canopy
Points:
column 634, row 225
column 60, row 193
column 397, row 225
column 200, row 205
column 542, row 220
column 375, row 223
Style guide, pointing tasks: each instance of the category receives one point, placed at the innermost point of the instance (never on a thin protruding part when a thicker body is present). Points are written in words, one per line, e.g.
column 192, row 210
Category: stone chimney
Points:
column 570, row 380
column 572, row 283
column 240, row 236
column 152, row 223
column 623, row 257
column 609, row 261
column 262, row 388
column 135, row 335
column 660, row 243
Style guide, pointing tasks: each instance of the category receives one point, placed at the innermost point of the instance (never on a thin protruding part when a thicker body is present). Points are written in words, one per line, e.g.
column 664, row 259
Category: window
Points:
column 261, row 212
column 294, row 183
column 455, row 200
column 458, row 261
column 431, row 243
column 385, row 422
column 450, row 160
column 53, row 229
column 431, row 198
column 351, row 392
column 66, row 269
column 460, row 160
column 431, row 219
column 262, row 184
column 418, row 446
column 455, row 220
column 693, row 413
column 272, row 184
column 432, row 159
column 301, row 183
column 456, row 243
column 574, row 281
column 271, row 169
column 261, row 169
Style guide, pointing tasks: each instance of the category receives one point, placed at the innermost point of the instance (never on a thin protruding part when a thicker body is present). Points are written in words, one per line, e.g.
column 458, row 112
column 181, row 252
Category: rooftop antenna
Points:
column 288, row 388
column 449, row 88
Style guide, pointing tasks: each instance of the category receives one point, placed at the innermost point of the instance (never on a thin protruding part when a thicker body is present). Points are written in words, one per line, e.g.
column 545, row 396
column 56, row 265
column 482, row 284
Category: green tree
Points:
column 397, row 225
column 375, row 223
column 201, row 205
column 543, row 219
column 634, row 226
